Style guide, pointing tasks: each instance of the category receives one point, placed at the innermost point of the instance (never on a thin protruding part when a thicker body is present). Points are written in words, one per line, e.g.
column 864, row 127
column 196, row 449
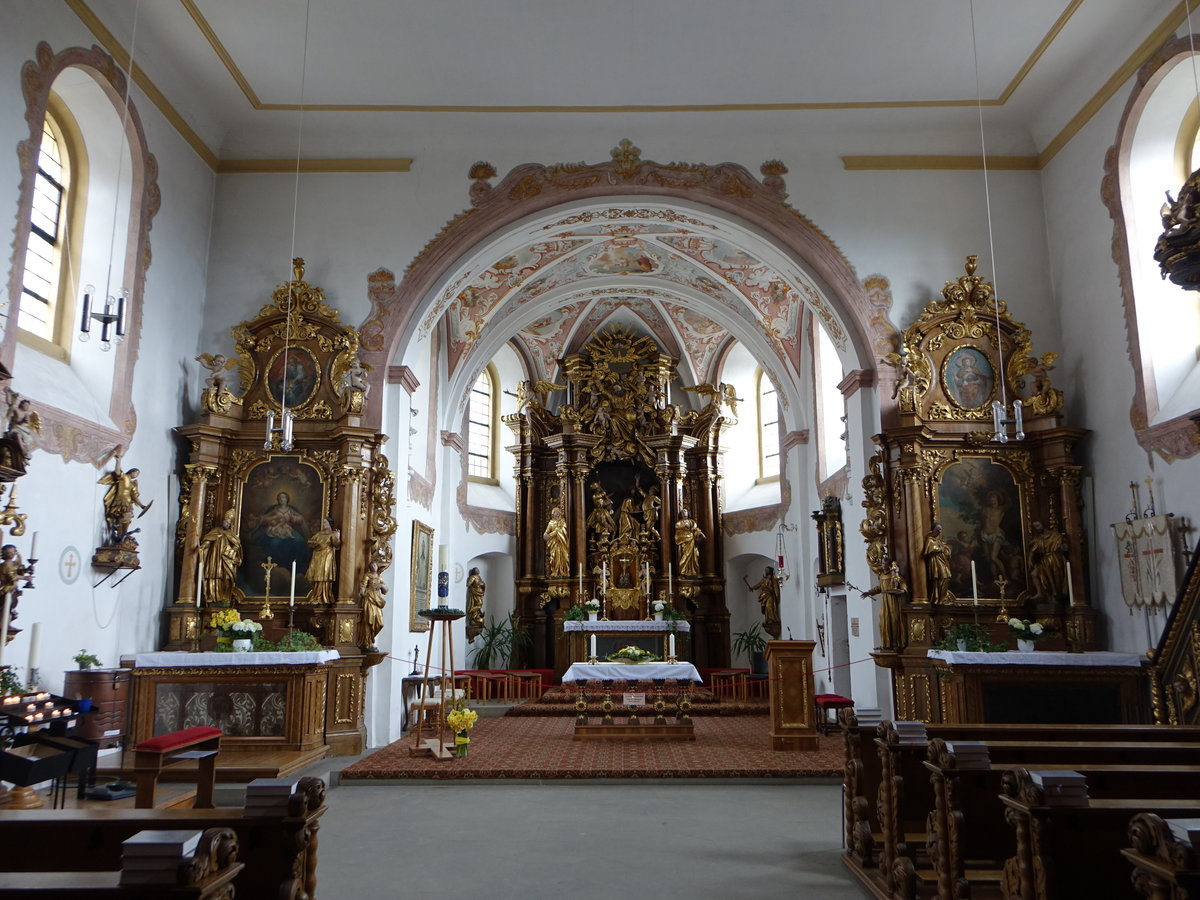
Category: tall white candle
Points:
column 1070, row 585
column 35, row 639
column 592, row 644
column 4, row 616
column 443, row 555
column 199, row 584
column 974, row 584
column 292, row 600
column 33, row 546
column 581, row 580
column 671, row 645
column 670, row 579
column 647, row 578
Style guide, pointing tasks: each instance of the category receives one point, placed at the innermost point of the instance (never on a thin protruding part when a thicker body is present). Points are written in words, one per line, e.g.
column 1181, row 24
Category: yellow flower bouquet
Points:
column 462, row 720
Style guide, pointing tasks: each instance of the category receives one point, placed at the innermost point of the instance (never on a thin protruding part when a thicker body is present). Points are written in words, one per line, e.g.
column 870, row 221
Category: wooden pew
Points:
column 888, row 830
column 279, row 852
column 1164, row 867
column 205, row 875
column 1063, row 853
column 967, row 821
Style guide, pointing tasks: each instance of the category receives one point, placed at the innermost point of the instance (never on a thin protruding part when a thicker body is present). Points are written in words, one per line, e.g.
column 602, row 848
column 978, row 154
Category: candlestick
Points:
column 292, row 599
column 974, row 584
column 199, row 584
column 1070, row 585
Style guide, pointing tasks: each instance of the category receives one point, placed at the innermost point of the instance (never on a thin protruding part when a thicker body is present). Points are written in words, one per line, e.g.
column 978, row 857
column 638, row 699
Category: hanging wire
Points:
column 987, row 194
column 112, row 239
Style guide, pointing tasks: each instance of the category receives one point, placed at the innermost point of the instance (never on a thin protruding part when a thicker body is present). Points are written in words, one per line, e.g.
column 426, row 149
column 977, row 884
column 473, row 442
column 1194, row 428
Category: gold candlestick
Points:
column 265, row 612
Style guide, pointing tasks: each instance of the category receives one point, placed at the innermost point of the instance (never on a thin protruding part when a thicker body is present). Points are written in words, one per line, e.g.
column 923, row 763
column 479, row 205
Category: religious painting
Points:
column 623, row 257
column 422, row 575
column 979, row 506
column 283, row 501
column 295, row 378
column 968, row 378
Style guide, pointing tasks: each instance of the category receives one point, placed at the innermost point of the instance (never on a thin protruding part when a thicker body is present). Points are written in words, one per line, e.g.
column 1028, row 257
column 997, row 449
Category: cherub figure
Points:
column 217, row 365
column 23, row 423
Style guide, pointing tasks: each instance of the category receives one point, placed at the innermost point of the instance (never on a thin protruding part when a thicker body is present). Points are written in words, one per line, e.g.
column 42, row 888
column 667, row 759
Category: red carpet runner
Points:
column 542, row 747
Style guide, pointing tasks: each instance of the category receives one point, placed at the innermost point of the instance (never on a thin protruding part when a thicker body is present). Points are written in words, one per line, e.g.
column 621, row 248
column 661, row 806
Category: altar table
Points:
column 680, row 671
column 612, row 635
column 1044, row 686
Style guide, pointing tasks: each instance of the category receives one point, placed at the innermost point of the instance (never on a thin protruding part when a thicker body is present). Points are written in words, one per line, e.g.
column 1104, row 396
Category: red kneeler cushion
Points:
column 164, row 743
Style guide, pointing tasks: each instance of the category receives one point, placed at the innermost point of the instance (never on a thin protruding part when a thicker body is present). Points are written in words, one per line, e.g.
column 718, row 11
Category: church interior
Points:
column 575, row 360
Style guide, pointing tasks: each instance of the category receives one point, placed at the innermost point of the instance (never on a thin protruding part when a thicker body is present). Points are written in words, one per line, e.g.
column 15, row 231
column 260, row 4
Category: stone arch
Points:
column 728, row 189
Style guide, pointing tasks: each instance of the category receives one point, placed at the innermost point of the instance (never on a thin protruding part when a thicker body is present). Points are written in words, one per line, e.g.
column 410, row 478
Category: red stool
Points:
column 825, row 704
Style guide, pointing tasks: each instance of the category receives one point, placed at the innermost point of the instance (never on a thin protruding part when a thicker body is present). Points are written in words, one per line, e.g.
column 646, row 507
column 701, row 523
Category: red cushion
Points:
column 176, row 739
column 832, row 700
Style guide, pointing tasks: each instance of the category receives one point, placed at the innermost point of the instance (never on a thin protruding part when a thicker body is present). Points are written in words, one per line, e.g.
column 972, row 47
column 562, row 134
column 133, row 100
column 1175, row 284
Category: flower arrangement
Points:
column 245, row 627
column 461, row 720
column 1026, row 630
column 221, row 619
column 660, row 606
column 592, row 606
column 633, row 654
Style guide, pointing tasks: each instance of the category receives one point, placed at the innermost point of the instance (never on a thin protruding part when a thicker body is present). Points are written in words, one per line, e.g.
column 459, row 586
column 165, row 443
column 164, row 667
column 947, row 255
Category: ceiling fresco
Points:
column 670, row 270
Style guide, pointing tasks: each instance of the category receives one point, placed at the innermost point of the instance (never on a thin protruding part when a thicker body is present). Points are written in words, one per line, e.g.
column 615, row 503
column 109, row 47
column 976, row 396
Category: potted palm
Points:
column 498, row 643
column 751, row 643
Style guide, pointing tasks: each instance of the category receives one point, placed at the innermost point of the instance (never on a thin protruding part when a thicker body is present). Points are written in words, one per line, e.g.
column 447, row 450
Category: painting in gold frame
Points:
column 422, row 574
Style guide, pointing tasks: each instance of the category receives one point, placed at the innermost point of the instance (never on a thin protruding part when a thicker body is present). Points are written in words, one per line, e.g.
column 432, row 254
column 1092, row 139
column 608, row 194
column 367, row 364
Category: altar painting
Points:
column 295, row 374
column 979, row 506
column 968, row 378
column 282, row 505
column 421, row 575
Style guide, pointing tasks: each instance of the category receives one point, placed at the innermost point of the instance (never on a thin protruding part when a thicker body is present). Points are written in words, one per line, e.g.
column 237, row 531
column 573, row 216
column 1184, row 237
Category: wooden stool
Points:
column 827, row 702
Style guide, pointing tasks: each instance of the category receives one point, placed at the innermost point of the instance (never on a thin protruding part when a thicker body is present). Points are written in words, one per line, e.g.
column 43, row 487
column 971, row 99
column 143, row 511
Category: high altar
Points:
column 252, row 515
column 961, row 527
column 618, row 497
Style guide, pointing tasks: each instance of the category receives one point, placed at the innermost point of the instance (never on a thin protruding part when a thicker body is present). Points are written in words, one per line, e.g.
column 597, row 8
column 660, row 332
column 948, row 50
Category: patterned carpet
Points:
column 542, row 747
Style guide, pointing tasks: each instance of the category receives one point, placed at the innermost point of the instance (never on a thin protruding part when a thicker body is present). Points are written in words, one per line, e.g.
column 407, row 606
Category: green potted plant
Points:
column 1026, row 632
column 498, row 643
column 575, row 613
column 86, row 660
column 9, row 682
column 751, row 643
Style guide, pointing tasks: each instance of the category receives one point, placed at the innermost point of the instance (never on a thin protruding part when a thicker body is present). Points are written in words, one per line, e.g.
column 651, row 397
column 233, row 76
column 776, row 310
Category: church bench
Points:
column 150, row 757
column 1063, row 853
column 1164, row 865
column 206, row 874
column 887, row 832
column 968, row 838
column 279, row 851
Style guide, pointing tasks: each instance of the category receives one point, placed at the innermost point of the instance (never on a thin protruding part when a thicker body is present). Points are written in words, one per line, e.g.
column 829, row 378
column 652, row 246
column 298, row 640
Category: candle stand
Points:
column 440, row 618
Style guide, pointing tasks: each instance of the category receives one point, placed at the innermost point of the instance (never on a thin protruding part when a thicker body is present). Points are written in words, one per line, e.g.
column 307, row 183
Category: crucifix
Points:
column 265, row 612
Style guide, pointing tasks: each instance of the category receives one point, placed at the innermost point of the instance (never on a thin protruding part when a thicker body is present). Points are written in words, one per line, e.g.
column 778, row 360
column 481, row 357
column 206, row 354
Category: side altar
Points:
column 286, row 516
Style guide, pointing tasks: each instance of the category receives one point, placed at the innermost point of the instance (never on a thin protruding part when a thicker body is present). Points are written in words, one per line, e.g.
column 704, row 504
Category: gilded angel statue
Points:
column 22, row 421
column 217, row 365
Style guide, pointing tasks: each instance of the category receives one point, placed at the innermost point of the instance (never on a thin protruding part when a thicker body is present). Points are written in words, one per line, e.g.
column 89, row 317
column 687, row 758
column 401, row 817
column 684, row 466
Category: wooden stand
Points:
column 793, row 720
column 437, row 747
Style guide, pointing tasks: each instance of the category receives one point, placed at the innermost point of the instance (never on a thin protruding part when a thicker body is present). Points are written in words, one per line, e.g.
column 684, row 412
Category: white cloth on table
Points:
column 1038, row 658
column 640, row 625
column 680, row 671
column 171, row 659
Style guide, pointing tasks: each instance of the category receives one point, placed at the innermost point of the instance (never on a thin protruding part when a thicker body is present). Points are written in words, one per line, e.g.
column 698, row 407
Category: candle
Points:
column 974, row 584
column 581, row 580
column 603, row 577
column 443, row 554
column 4, row 617
column 292, row 599
column 647, row 578
column 670, row 579
column 671, row 645
column 35, row 637
column 29, row 707
column 1070, row 585
column 33, row 546
column 592, row 644
column 200, row 584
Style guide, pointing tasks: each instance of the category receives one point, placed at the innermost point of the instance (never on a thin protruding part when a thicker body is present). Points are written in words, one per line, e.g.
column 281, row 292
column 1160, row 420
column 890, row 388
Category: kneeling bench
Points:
column 827, row 702
column 201, row 743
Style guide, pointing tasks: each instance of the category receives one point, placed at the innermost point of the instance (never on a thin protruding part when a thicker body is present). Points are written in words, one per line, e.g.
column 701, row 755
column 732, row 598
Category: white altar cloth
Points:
column 1038, row 658
column 171, row 659
column 641, row 625
column 680, row 671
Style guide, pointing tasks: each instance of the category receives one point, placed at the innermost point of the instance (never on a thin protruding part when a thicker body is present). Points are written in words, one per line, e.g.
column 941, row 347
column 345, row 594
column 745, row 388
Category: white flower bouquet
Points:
column 245, row 627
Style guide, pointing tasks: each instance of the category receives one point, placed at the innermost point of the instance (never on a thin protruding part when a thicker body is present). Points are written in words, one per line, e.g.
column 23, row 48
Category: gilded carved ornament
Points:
column 874, row 528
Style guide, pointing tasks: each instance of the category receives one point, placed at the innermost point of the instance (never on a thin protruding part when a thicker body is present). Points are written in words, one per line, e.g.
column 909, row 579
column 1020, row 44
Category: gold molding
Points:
column 288, row 166
column 1040, row 50
column 92, row 22
column 897, row 163
column 222, row 53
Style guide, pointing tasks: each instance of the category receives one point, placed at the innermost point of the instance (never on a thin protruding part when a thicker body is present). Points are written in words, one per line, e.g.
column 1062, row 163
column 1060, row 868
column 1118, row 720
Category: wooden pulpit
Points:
column 793, row 715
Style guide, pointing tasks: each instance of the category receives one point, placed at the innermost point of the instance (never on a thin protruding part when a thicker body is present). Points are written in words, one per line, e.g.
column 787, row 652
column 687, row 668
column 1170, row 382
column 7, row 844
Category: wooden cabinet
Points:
column 108, row 689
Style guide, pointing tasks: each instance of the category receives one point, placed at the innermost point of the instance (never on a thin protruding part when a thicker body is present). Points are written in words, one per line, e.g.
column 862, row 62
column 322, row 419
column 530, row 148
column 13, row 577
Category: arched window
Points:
column 481, row 427
column 1155, row 152
column 48, row 280
column 768, row 426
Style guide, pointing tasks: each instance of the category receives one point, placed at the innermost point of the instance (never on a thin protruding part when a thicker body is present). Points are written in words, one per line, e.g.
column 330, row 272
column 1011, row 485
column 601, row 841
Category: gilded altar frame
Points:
column 938, row 462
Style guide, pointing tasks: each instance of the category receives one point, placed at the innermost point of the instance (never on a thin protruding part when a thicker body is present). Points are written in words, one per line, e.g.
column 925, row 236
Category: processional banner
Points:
column 1147, row 557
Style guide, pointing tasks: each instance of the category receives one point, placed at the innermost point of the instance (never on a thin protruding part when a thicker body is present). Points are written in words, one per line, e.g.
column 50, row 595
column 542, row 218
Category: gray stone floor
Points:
column 583, row 840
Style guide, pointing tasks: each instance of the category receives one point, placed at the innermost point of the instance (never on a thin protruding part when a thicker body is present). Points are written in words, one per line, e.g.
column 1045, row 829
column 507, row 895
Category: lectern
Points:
column 793, row 717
